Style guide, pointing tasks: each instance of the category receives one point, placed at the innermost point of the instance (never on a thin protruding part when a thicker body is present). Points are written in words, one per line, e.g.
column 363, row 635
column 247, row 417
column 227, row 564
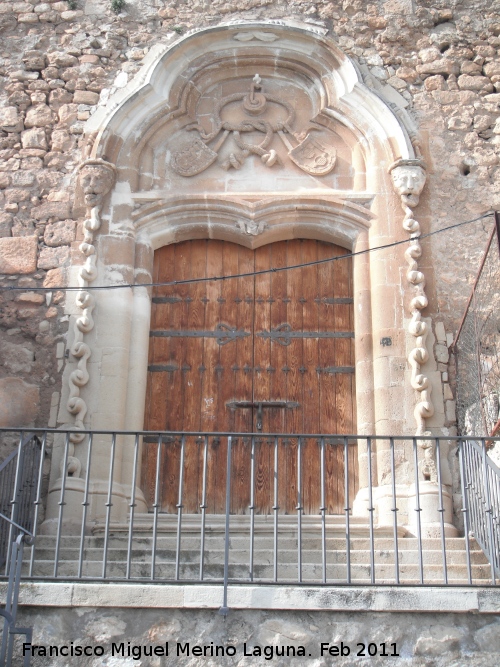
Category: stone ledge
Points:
column 363, row 598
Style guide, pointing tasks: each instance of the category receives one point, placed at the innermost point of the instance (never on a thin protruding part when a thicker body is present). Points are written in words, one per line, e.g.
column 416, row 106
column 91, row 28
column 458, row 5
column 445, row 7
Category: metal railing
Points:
column 477, row 348
column 20, row 477
column 20, row 498
column 483, row 499
column 265, row 508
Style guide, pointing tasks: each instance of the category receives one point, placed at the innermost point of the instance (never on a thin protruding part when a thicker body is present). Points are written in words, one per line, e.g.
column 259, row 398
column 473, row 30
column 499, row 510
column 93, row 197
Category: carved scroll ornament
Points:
column 408, row 178
column 96, row 178
column 311, row 154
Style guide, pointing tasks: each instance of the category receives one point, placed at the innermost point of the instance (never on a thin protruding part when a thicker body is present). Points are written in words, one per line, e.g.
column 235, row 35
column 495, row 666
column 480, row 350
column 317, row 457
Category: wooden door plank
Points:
column 262, row 380
column 171, row 458
column 295, row 375
column 242, row 419
column 310, row 383
column 156, row 413
column 216, row 470
column 191, row 386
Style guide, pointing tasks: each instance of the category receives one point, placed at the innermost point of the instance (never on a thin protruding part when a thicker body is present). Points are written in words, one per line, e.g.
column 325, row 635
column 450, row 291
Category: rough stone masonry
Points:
column 59, row 61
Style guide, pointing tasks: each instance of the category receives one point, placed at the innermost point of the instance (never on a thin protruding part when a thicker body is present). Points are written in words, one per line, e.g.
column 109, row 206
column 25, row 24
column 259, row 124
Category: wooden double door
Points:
column 265, row 352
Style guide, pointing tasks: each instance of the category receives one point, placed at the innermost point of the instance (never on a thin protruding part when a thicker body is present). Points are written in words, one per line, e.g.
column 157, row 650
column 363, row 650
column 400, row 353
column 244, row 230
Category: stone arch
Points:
column 267, row 197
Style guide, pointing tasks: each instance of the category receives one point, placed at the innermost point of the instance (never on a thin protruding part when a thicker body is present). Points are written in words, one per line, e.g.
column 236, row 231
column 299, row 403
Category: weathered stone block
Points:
column 55, row 278
column 443, row 66
column 5, row 225
column 16, row 358
column 85, row 97
column 466, row 82
column 62, row 141
column 52, row 209
column 34, row 138
column 28, row 18
column 68, row 114
column 19, row 402
column 60, row 233
column 10, row 121
column 16, row 195
column 21, row 7
column 62, row 59
column 42, row 7
column 34, row 60
column 39, row 116
column 51, row 258
column 59, row 97
column 18, row 254
column 71, row 15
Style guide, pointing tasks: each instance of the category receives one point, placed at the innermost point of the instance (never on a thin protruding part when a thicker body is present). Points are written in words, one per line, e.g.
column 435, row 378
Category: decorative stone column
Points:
column 408, row 178
column 96, row 179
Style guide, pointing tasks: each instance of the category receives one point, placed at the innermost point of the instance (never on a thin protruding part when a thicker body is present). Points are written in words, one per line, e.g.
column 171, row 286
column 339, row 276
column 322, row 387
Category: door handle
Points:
column 260, row 405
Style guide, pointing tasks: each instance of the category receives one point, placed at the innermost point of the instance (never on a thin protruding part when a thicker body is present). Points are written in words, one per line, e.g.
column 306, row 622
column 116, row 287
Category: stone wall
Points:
column 439, row 60
column 430, row 640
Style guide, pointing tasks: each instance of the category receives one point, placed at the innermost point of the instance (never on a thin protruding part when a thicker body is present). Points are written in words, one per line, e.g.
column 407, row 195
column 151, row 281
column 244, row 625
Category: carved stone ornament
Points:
column 261, row 35
column 313, row 157
column 310, row 154
column 96, row 178
column 408, row 177
column 251, row 227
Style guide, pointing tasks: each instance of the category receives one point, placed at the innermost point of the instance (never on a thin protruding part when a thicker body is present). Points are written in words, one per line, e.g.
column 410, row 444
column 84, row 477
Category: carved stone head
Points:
column 408, row 178
column 96, row 180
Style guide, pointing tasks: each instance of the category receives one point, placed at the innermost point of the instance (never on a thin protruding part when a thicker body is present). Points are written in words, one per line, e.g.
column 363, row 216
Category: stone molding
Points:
column 408, row 177
column 96, row 180
column 435, row 599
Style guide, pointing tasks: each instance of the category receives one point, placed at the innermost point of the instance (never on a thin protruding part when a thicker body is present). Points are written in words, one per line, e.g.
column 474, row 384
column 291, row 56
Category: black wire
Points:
column 413, row 237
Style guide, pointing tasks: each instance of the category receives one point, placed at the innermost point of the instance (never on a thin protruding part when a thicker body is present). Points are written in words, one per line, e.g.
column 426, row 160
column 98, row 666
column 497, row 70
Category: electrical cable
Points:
column 187, row 281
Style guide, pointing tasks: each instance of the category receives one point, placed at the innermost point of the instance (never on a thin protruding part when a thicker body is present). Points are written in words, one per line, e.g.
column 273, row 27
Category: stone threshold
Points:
column 434, row 599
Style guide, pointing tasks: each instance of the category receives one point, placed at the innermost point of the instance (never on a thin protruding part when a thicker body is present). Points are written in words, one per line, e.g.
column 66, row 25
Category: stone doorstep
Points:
column 432, row 599
column 264, row 524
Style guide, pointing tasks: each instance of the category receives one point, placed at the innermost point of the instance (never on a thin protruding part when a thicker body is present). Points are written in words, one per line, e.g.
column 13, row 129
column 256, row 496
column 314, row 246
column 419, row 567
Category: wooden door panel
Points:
column 262, row 338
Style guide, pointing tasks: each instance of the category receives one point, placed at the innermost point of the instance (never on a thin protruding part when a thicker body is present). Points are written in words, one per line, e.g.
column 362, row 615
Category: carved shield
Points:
column 313, row 157
column 192, row 158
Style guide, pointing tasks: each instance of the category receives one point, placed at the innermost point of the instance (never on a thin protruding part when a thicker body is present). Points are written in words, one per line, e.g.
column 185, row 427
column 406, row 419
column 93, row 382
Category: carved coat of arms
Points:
column 313, row 155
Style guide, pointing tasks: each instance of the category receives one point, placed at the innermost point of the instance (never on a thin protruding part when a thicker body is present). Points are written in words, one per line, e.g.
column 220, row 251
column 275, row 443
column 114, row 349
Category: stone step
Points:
column 238, row 541
column 286, row 572
column 212, row 555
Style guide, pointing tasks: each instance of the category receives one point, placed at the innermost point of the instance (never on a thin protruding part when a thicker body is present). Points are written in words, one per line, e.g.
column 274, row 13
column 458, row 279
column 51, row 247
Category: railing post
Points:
column 322, row 508
column 300, row 509
column 179, row 509
column 418, row 509
column 441, row 511
column 252, row 508
column 132, row 506
column 465, row 506
column 224, row 610
column 156, row 508
column 203, row 507
column 109, row 505
column 489, row 512
column 394, row 510
column 275, row 510
column 371, row 509
column 85, row 505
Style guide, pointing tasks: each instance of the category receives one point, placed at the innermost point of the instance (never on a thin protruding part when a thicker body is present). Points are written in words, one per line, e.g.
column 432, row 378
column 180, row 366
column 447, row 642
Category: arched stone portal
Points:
column 248, row 133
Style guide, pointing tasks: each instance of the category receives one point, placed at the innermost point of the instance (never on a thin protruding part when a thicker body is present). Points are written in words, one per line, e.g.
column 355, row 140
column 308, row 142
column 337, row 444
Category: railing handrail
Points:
column 489, row 461
column 257, row 434
column 13, row 454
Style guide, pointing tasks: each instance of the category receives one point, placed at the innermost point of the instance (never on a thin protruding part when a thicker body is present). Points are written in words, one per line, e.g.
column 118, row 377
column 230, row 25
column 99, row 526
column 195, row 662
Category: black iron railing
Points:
column 483, row 500
column 477, row 348
column 265, row 508
column 20, row 475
